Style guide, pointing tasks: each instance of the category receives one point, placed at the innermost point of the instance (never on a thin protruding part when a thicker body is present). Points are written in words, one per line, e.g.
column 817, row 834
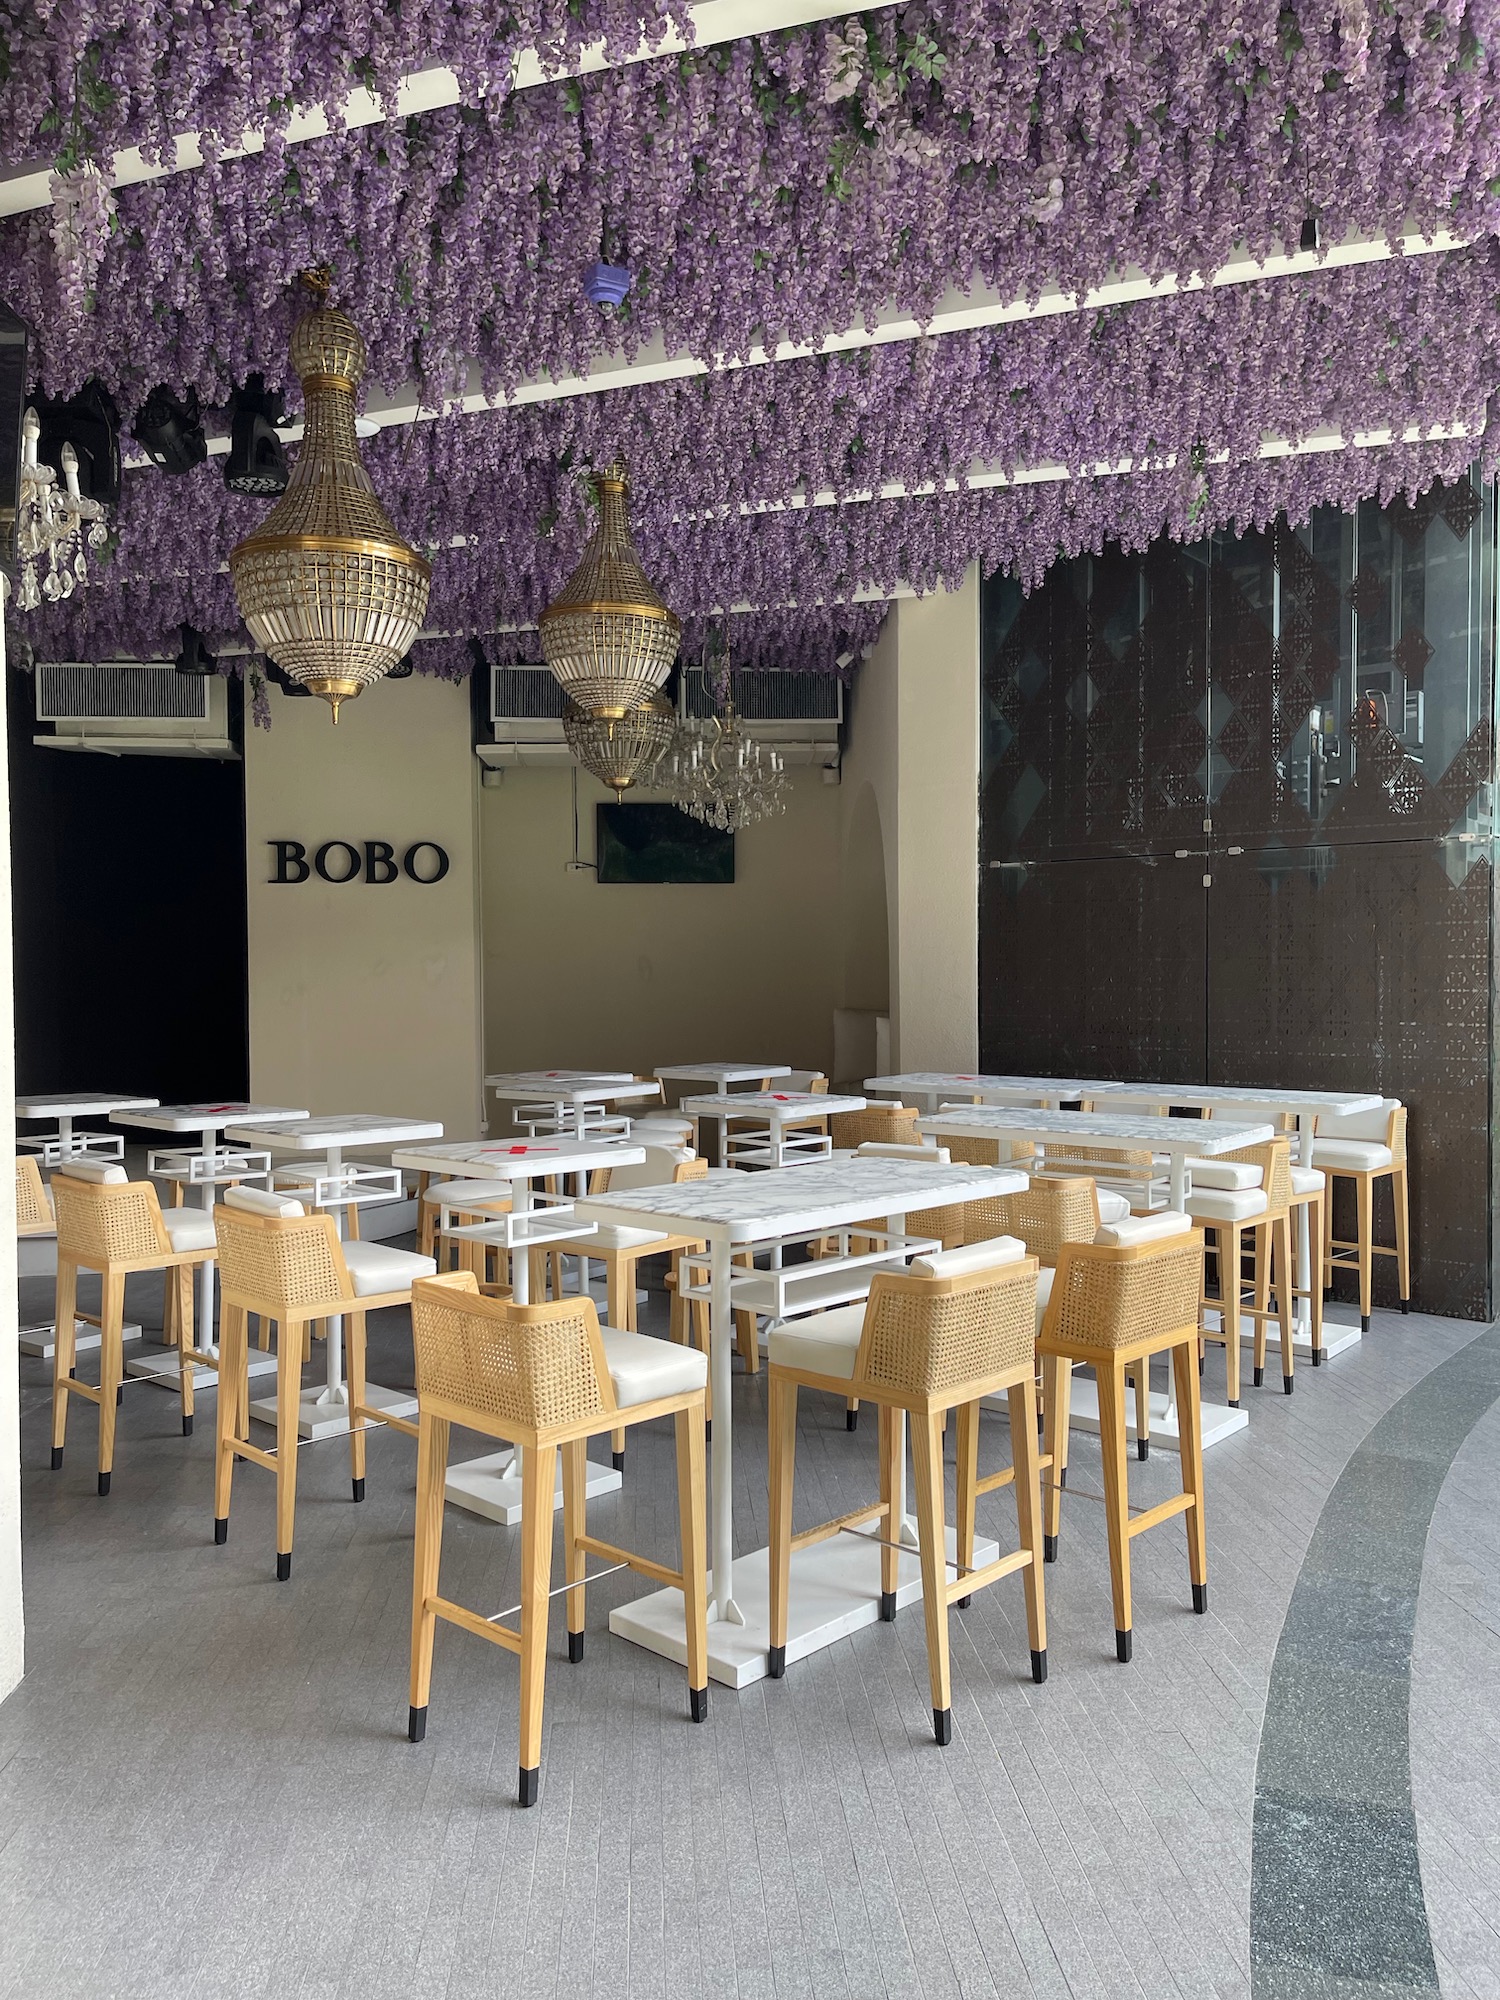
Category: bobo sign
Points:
column 373, row 860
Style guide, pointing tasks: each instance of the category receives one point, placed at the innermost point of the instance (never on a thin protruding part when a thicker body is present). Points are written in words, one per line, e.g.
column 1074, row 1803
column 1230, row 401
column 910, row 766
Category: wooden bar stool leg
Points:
column 1028, row 1484
column 967, row 1477
column 288, row 1409
column 1110, row 1376
column 619, row 1278
column 782, row 1446
column 354, row 1363
column 1280, row 1252
column 575, row 1523
column 64, row 1353
column 1401, row 1201
column 1230, row 1243
column 229, row 1417
column 111, row 1368
column 891, row 1444
column 693, row 1541
column 1190, row 1432
column 426, row 1216
column 1057, row 1397
column 432, row 1470
column 1317, row 1276
column 180, row 1284
column 1330, row 1181
column 1142, row 1379
column 1261, row 1238
column 1364, row 1201
column 927, row 1490
column 538, row 1491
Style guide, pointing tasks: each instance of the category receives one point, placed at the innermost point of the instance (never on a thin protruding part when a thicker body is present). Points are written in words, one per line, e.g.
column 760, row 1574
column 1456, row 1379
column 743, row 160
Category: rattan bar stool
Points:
column 288, row 1266
column 1309, row 1192
column 1367, row 1147
column 959, row 1326
column 1235, row 1194
column 34, row 1216
column 1113, row 1304
column 115, row 1226
column 546, row 1378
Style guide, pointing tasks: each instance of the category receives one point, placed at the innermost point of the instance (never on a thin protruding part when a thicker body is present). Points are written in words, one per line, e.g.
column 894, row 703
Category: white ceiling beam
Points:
column 715, row 21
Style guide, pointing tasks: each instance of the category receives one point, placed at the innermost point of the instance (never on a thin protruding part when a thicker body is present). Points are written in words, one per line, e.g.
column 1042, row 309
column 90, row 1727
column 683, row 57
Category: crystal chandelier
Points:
column 326, row 585
column 717, row 772
column 54, row 525
column 621, row 751
column 608, row 635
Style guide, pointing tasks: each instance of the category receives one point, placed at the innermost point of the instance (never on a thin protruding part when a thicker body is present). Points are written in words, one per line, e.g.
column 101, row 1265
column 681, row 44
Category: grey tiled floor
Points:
column 205, row 1787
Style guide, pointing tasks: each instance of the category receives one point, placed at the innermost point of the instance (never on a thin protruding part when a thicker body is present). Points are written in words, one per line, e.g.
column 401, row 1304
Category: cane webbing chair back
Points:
column 876, row 1125
column 986, row 1152
column 1111, row 1156
column 534, row 1366
column 928, row 1335
column 287, row 1263
column 33, row 1210
column 1107, row 1297
column 103, row 1222
column 1044, row 1216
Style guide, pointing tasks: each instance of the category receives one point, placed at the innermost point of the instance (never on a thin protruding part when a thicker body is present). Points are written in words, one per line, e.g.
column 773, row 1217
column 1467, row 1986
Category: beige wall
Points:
column 366, row 997
column 579, row 972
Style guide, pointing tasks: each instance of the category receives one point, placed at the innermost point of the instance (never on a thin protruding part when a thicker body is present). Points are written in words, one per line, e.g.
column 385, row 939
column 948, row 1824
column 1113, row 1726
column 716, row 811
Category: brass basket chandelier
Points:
column 608, row 636
column 621, row 751
column 325, row 584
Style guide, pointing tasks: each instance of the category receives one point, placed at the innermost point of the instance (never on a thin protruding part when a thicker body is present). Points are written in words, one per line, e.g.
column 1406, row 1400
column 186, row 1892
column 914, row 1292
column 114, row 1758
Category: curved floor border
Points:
column 1336, row 1904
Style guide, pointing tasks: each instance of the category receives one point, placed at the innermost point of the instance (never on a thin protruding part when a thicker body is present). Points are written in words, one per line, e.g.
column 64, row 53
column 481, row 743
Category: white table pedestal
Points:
column 835, row 1590
column 160, row 1365
column 42, row 1340
column 487, row 1487
column 1219, row 1421
column 323, row 1415
column 1336, row 1339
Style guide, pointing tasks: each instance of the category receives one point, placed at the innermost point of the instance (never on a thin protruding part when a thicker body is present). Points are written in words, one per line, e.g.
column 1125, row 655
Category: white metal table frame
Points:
column 576, row 1096
column 491, row 1485
column 53, row 1149
column 781, row 1111
column 207, row 1166
column 734, row 1213
column 330, row 1185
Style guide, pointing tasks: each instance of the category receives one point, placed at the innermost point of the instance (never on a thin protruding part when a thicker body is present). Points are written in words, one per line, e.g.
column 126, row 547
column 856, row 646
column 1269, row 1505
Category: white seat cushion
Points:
column 610, row 1236
column 1044, row 1278
column 255, row 1201
column 1146, row 1228
column 824, row 1344
column 378, row 1267
column 1226, row 1204
column 1224, row 1174
column 656, row 1170
column 1372, row 1125
column 191, row 1228
column 661, row 1130
column 1352, row 1155
column 882, row 1149
column 476, row 1194
column 1308, row 1180
column 1113, row 1207
column 970, row 1257
column 106, row 1173
column 642, row 1368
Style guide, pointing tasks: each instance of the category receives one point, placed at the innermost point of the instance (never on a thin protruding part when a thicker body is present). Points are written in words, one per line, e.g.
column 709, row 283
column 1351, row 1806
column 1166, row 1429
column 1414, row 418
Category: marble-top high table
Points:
column 491, row 1485
column 721, row 1075
column 780, row 1112
column 577, row 1097
column 56, row 1148
column 928, row 1089
column 207, row 1166
column 836, row 1583
column 1181, row 1139
column 327, row 1183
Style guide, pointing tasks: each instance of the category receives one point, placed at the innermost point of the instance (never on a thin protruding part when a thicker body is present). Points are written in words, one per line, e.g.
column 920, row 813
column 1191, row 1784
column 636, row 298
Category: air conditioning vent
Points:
column 118, row 691
column 524, row 694
column 762, row 696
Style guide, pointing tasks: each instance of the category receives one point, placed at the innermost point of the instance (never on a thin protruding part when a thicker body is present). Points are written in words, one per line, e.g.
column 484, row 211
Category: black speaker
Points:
column 15, row 337
column 90, row 423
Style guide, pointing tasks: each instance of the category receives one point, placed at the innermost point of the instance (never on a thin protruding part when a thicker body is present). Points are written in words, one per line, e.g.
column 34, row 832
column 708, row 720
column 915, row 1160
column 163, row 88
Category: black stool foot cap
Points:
column 1039, row 1665
column 963, row 1603
column 119, row 1394
column 187, row 1426
column 359, row 1488
column 1327, row 1293
column 1406, row 1305
column 57, row 1452
column 283, row 1565
column 851, row 1420
column 708, row 1431
column 776, row 1662
column 221, row 1530
column 1259, row 1377
column 1201, row 1364
column 1234, row 1402
column 1200, row 1597
column 887, row 1607
column 1049, row 1548
column 1143, row 1447
column 617, row 1459
column 698, row 1704
column 1317, row 1357
column 1364, row 1322
column 1062, row 1477
column 416, row 1723
column 942, row 1725
column 1287, row 1384
column 103, row 1485
column 1124, row 1647
column 575, row 1647
column 531, row 1780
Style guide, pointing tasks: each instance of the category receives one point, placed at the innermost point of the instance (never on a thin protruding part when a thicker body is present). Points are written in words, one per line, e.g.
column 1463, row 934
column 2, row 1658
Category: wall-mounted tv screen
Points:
column 641, row 843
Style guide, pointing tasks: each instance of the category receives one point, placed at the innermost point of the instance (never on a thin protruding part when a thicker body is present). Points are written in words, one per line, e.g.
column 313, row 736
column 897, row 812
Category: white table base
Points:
column 42, row 1340
column 835, row 1591
column 485, row 1486
column 160, row 1365
column 1219, row 1421
column 1336, row 1339
column 320, row 1415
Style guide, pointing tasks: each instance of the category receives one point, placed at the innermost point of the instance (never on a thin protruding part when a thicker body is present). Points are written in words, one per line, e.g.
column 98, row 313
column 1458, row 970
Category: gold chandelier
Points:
column 621, row 750
column 325, row 584
column 608, row 636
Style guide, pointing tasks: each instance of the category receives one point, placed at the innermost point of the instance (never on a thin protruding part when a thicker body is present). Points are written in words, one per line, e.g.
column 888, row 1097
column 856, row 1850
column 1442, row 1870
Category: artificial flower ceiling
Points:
column 776, row 189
